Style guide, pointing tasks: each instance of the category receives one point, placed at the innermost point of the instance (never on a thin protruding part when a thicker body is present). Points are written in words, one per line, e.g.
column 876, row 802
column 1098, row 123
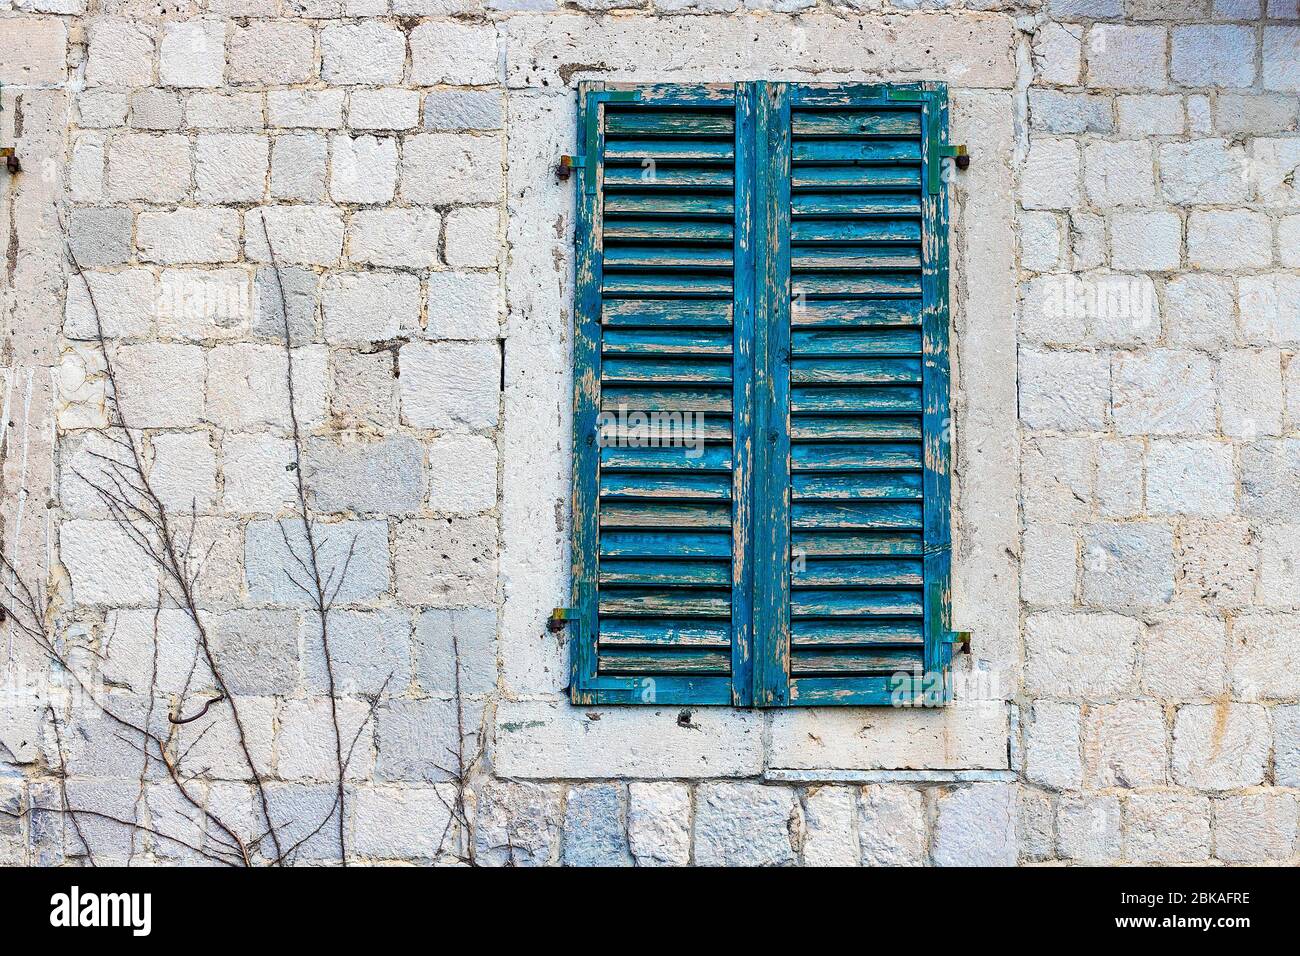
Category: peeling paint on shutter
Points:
column 663, row 616
column 772, row 258
column 868, row 396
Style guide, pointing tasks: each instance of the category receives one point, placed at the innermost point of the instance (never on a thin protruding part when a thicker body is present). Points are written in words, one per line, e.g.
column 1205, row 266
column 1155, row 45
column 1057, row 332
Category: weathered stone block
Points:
column 443, row 168
column 1124, row 745
column 298, row 235
column 810, row 738
column 1286, row 745
column 446, row 562
column 455, row 651
column 594, row 833
column 155, row 109
column 271, row 51
column 1054, row 665
column 152, row 168
column 1263, row 653
column 397, row 237
column 1255, row 828
column 1190, row 477
column 1281, row 64
column 1050, row 177
column 1279, row 569
column 1088, row 828
column 1200, row 310
column 418, row 739
column 452, row 53
column 403, row 823
column 517, row 824
column 298, row 167
column 121, row 52
column 1056, row 112
column 1052, row 745
column 1206, row 55
column 193, row 53
column 1119, row 174
column 1150, row 115
column 369, row 651
column 288, row 288
column 268, row 560
column 230, row 168
column 1128, row 565
column 197, row 235
column 257, row 650
column 1220, row 746
column 1184, row 656
column 360, row 308
column 1163, row 393
column 1049, row 565
column 830, row 838
column 313, row 109
column 659, row 823
column 248, row 386
column 1121, row 56
column 364, row 168
column 1270, row 478
column 745, row 824
column 386, row 109
column 1270, row 308
column 1203, row 171
column 450, row 386
column 548, row 740
column 1166, row 828
column 456, row 110
column 1229, row 239
column 464, row 305
column 1064, row 390
column 976, row 826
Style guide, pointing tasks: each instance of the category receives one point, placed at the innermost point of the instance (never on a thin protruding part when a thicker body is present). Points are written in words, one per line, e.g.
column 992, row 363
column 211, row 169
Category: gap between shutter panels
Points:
column 854, row 474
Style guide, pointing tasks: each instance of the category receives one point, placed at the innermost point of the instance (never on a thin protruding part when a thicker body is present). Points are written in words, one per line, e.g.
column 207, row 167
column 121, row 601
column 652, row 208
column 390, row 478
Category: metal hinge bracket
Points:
column 960, row 640
column 560, row 617
column 591, row 136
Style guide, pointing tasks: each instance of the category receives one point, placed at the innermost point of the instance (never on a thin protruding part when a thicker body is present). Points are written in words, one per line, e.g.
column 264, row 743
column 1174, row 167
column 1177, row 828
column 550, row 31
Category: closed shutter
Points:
column 860, row 211
column 773, row 258
column 663, row 596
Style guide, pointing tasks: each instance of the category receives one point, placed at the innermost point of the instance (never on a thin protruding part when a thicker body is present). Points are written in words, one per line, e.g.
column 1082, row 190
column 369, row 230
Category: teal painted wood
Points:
column 662, row 334
column 867, row 382
column 772, row 396
column 783, row 270
column 583, row 627
column 938, row 423
column 742, row 615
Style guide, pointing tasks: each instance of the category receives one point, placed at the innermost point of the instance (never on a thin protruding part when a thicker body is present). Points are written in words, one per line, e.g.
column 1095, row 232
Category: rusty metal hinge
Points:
column 560, row 616
column 567, row 165
column 11, row 159
column 959, row 155
column 960, row 640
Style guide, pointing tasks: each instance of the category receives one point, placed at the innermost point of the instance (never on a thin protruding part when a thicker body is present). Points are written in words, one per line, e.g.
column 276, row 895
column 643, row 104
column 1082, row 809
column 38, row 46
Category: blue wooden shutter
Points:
column 866, row 471
column 773, row 258
column 663, row 328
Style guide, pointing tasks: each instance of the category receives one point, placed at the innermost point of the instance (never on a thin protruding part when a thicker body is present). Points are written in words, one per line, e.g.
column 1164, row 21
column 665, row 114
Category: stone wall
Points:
column 1126, row 290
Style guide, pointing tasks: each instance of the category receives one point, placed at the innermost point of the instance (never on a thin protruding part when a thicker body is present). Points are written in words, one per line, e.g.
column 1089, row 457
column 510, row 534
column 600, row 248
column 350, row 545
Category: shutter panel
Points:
column 663, row 336
column 868, row 397
column 773, row 258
